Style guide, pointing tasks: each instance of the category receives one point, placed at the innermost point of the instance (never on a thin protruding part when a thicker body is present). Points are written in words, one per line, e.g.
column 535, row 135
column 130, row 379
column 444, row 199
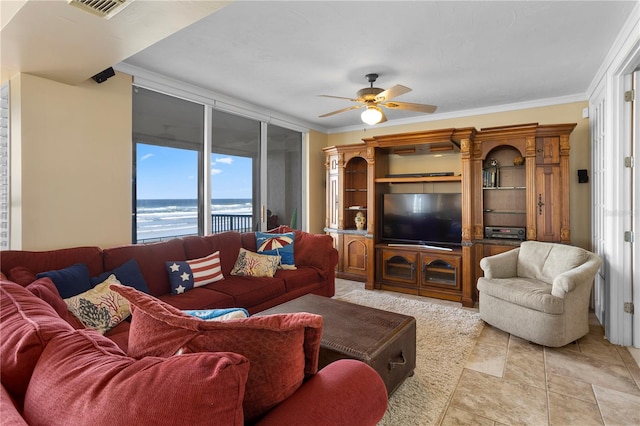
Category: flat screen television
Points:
column 427, row 219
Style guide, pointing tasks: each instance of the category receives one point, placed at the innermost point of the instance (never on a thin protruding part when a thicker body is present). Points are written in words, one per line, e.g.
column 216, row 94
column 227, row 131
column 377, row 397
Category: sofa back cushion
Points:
column 280, row 348
column 44, row 289
column 82, row 378
column 43, row 261
column 27, row 324
column 151, row 260
column 227, row 243
column 545, row 261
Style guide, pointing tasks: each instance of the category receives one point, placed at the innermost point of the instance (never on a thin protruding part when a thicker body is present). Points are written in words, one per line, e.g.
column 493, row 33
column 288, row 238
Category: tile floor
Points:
column 509, row 381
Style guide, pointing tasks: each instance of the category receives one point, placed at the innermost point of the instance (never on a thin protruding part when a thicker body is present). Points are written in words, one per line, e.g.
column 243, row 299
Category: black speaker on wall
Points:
column 583, row 177
column 104, row 75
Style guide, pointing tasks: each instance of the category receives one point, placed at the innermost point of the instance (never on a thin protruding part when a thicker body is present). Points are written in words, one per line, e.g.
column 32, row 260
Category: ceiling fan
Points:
column 372, row 98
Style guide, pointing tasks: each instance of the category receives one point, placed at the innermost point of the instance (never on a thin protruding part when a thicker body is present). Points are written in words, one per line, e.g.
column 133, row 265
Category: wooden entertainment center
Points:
column 513, row 182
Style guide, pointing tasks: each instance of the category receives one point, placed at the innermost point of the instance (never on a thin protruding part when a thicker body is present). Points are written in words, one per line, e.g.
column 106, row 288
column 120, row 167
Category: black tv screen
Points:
column 422, row 218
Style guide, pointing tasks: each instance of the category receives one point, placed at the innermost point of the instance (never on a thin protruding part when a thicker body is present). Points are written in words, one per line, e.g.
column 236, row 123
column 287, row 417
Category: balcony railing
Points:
column 219, row 223
column 231, row 222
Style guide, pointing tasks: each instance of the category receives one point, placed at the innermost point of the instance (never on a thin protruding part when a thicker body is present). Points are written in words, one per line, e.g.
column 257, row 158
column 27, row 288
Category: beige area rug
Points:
column 446, row 336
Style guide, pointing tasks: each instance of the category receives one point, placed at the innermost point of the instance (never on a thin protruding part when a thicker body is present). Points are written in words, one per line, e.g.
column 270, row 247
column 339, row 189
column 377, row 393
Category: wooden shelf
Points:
column 493, row 188
column 419, row 179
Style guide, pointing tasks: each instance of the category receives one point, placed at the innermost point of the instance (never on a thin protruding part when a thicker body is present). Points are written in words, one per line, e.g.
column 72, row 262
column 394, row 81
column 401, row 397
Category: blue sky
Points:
column 173, row 173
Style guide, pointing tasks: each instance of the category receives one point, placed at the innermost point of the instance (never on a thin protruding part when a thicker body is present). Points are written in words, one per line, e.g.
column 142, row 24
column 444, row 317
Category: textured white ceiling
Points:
column 458, row 55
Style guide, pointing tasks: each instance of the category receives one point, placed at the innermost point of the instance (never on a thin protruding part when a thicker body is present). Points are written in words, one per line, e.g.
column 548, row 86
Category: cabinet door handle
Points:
column 540, row 204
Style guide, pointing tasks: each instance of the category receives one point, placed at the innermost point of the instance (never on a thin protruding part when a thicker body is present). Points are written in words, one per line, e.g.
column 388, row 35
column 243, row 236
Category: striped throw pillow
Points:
column 188, row 274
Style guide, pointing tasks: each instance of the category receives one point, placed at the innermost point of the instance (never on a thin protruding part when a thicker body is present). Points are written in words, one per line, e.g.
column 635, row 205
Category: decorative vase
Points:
column 360, row 221
column 518, row 161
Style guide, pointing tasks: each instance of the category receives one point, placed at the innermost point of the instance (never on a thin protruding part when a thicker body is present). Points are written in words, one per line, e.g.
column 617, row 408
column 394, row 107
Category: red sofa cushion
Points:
column 199, row 298
column 299, row 278
column 82, row 378
column 249, row 291
column 8, row 411
column 151, row 260
column 43, row 261
column 21, row 275
column 280, row 348
column 27, row 323
column 46, row 290
column 227, row 243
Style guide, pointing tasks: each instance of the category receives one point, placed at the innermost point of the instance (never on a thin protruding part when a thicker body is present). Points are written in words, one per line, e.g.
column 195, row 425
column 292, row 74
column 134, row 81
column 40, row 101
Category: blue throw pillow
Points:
column 70, row 281
column 277, row 245
column 128, row 274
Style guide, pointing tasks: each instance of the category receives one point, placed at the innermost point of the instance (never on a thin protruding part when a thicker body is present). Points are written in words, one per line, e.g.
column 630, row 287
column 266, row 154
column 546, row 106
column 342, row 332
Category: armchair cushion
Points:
column 526, row 292
column 544, row 262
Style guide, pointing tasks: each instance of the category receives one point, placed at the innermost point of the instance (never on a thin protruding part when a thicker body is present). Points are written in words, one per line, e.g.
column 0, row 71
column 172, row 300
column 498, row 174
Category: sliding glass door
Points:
column 251, row 178
column 283, row 177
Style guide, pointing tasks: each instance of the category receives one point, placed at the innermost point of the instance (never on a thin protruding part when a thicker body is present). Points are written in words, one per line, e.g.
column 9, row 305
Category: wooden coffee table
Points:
column 384, row 340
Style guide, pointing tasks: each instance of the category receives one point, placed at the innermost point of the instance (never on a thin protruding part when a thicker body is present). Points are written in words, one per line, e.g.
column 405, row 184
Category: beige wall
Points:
column 317, row 182
column 71, row 163
column 566, row 113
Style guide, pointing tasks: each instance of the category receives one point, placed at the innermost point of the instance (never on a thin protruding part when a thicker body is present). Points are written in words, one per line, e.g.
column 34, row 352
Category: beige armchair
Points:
column 539, row 292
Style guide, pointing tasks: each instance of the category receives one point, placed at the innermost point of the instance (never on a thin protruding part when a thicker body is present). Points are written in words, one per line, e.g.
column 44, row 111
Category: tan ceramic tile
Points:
column 618, row 408
column 564, row 411
column 488, row 359
column 499, row 400
column 571, row 387
column 525, row 363
column 457, row 417
column 595, row 344
column 590, row 369
column 493, row 336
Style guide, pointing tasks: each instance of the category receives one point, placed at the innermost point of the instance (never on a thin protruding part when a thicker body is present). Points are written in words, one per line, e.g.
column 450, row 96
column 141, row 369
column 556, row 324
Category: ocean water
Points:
column 161, row 219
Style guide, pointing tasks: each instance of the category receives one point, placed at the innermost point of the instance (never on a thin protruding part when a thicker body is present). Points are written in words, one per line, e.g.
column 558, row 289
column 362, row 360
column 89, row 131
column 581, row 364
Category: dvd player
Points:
column 504, row 232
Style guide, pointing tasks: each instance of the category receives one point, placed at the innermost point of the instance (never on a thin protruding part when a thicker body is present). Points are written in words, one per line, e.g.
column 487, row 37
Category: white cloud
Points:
column 146, row 156
column 225, row 160
column 215, row 172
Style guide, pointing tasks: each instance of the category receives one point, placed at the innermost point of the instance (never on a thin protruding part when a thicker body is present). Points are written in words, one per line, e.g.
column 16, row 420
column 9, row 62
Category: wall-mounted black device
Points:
column 583, row 177
column 104, row 75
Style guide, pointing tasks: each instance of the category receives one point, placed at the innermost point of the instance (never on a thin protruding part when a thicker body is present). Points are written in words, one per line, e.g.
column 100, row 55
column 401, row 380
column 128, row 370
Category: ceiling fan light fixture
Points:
column 372, row 115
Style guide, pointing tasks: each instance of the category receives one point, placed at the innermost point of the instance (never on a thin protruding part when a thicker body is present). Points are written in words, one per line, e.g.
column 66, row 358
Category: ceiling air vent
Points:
column 103, row 8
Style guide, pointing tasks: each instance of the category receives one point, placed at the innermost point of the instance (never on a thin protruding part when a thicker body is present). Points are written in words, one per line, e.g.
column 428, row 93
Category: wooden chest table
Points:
column 384, row 340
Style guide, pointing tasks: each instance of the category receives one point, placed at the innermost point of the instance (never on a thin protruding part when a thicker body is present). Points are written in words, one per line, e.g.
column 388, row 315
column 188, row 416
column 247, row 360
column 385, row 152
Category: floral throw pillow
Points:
column 100, row 308
column 252, row 264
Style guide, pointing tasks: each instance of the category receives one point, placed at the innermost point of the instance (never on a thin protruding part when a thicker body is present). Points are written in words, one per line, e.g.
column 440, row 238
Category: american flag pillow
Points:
column 189, row 274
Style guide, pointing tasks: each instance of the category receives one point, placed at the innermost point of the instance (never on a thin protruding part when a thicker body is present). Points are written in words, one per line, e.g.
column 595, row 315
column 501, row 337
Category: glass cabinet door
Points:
column 399, row 266
column 441, row 272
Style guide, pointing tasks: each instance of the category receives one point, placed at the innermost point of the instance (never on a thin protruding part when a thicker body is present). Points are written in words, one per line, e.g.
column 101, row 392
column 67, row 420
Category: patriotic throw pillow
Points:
column 277, row 245
column 188, row 274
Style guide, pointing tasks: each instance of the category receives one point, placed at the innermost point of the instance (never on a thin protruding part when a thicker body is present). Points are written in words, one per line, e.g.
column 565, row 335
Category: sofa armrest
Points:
column 317, row 251
column 346, row 392
column 502, row 265
column 583, row 275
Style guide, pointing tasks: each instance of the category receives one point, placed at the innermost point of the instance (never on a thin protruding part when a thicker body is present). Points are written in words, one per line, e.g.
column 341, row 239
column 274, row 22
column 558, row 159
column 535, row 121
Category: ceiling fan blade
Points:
column 428, row 109
column 383, row 119
column 391, row 93
column 339, row 97
column 341, row 110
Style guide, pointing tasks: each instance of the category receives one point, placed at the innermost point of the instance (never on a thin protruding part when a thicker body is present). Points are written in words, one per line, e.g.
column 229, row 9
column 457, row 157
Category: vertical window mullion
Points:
column 263, row 176
column 206, row 175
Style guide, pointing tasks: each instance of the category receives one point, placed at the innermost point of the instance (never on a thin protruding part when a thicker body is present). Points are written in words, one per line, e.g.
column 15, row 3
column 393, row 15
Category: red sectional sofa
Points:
column 52, row 366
